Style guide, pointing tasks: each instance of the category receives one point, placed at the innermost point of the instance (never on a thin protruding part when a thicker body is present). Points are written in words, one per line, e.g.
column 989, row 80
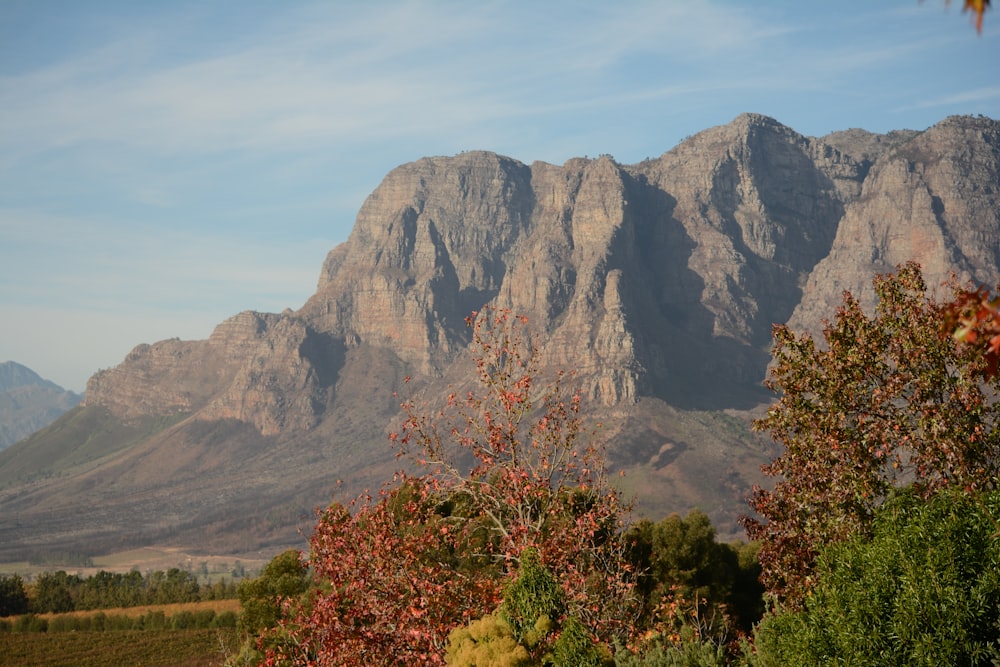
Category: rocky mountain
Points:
column 28, row 402
column 658, row 283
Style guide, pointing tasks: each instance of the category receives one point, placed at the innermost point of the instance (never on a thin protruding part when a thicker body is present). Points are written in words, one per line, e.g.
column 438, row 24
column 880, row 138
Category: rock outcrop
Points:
column 657, row 283
column 932, row 197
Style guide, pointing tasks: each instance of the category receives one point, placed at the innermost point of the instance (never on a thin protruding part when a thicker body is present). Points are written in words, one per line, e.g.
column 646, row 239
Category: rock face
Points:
column 932, row 198
column 28, row 402
column 658, row 283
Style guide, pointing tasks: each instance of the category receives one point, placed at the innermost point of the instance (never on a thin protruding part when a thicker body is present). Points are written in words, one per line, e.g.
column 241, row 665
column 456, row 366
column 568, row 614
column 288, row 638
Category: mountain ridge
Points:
column 29, row 402
column 657, row 283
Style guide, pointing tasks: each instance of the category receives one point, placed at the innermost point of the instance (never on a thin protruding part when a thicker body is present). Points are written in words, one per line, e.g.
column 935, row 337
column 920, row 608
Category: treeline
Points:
column 59, row 592
column 101, row 622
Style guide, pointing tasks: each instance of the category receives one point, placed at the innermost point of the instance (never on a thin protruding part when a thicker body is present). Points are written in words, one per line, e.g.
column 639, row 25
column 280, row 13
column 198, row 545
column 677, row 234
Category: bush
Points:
column 182, row 620
column 924, row 590
column 64, row 623
column 204, row 618
column 151, row 620
column 123, row 622
column 30, row 623
column 226, row 619
column 690, row 653
column 486, row 642
column 576, row 648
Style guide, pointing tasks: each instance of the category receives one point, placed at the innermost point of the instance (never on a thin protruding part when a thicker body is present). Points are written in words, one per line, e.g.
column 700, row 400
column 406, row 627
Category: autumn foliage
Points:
column 504, row 468
column 396, row 576
column 978, row 8
column 973, row 319
column 517, row 452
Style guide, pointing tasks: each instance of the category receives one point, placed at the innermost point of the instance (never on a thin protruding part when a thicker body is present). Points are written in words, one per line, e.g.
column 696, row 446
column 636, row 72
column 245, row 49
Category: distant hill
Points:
column 28, row 402
column 657, row 282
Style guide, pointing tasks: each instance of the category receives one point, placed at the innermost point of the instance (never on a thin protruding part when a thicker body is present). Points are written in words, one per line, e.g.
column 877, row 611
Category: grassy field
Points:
column 153, row 648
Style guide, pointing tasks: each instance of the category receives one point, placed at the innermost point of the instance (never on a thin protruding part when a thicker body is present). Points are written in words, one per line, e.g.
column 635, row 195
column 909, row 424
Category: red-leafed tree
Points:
column 518, row 453
column 882, row 401
column 506, row 467
column 396, row 573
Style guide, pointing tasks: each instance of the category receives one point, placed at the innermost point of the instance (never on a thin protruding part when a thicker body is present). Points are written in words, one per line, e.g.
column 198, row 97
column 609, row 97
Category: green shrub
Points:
column 687, row 654
column 151, row 620
column 923, row 590
column 30, row 623
column 485, row 642
column 122, row 622
column 204, row 618
column 182, row 620
column 575, row 648
column 534, row 594
column 226, row 619
column 64, row 623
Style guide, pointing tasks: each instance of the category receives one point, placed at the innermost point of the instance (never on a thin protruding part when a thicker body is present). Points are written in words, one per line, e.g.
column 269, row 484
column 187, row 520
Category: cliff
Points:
column 658, row 283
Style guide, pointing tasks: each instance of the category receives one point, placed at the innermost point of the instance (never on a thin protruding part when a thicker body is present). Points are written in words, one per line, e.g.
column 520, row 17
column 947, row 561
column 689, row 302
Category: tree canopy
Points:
column 879, row 402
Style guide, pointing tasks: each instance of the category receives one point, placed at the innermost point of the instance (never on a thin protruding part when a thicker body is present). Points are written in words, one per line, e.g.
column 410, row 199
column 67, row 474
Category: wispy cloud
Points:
column 334, row 75
column 966, row 97
column 122, row 266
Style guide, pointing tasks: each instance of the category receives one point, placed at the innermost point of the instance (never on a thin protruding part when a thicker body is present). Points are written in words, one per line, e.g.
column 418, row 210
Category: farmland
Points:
column 153, row 648
column 168, row 637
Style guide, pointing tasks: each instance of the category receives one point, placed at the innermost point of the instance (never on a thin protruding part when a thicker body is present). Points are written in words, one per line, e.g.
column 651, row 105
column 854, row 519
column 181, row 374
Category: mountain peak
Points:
column 28, row 402
column 13, row 375
column 657, row 284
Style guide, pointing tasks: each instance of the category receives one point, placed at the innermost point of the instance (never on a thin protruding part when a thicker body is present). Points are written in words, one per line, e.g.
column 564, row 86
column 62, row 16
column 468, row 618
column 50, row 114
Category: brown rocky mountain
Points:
column 28, row 402
column 658, row 283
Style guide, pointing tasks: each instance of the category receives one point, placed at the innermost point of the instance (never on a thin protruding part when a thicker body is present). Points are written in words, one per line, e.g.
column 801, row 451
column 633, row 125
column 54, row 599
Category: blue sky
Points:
column 165, row 165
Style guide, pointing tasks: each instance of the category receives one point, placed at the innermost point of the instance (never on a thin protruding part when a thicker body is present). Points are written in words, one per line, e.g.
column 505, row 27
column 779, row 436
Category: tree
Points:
column 679, row 559
column 266, row 601
column 504, row 470
column 517, row 451
column 885, row 399
column 395, row 575
column 174, row 585
column 53, row 592
column 13, row 597
column 285, row 577
column 924, row 589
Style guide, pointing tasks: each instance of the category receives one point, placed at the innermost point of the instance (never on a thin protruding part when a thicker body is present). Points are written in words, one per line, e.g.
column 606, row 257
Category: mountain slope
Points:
column 28, row 402
column 657, row 283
